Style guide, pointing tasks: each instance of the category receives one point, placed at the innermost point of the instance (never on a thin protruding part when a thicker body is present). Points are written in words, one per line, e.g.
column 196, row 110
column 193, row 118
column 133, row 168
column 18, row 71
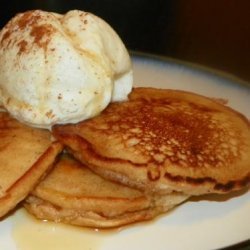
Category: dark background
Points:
column 214, row 33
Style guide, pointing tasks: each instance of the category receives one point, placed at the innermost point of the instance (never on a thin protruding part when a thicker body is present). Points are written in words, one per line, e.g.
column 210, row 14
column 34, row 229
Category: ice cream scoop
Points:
column 57, row 69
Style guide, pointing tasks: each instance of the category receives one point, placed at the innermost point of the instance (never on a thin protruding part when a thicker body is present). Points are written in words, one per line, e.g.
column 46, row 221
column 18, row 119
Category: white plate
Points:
column 208, row 223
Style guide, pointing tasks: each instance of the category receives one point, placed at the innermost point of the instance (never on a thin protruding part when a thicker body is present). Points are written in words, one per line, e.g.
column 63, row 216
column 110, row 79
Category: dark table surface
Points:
column 212, row 33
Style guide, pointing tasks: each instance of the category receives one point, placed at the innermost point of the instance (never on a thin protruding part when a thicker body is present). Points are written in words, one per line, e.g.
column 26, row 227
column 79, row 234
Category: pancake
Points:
column 165, row 140
column 26, row 154
column 71, row 193
column 46, row 211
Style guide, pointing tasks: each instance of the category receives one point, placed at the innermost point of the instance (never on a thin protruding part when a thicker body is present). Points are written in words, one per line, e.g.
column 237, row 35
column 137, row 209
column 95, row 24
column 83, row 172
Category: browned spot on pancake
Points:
column 154, row 173
column 222, row 187
column 190, row 180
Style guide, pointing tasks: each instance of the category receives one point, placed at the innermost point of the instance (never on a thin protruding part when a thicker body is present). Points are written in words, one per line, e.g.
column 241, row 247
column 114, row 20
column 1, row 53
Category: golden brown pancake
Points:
column 73, row 194
column 165, row 140
column 47, row 211
column 25, row 156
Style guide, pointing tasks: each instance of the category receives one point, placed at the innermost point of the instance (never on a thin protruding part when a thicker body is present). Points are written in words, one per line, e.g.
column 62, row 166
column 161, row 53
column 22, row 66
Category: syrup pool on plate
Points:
column 29, row 234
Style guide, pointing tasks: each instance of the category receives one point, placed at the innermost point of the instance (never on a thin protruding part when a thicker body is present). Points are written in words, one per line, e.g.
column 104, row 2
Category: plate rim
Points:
column 209, row 71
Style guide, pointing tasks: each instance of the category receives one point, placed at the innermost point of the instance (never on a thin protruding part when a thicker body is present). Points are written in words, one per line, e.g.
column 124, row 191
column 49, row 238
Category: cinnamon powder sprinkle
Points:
column 22, row 47
column 42, row 35
column 28, row 19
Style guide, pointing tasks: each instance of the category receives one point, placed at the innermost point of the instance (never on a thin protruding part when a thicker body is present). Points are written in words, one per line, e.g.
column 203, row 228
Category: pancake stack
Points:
column 73, row 194
column 138, row 159
column 26, row 155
